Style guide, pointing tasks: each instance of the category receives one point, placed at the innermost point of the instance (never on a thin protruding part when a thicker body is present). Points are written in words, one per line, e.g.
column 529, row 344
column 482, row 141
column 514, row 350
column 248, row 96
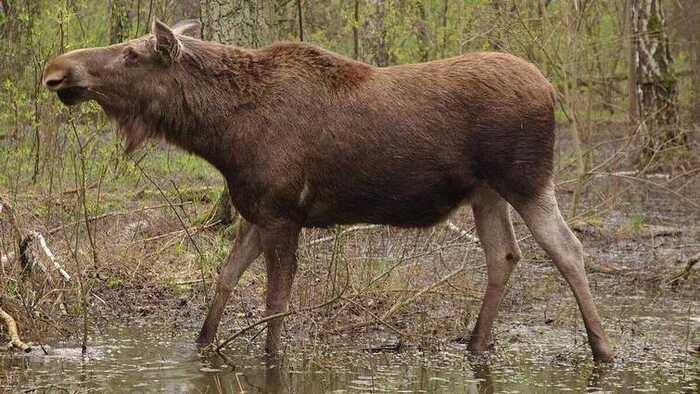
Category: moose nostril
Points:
column 54, row 82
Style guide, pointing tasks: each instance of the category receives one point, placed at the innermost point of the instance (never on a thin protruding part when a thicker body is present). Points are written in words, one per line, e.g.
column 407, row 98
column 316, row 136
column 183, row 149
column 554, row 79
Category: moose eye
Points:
column 130, row 56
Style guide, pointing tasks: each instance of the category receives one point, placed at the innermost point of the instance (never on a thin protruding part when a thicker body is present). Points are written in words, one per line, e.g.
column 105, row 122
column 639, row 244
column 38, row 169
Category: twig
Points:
column 115, row 213
column 273, row 317
column 409, row 300
column 643, row 180
column 83, row 198
column 291, row 311
column 188, row 282
column 5, row 258
column 345, row 231
column 50, row 255
column 464, row 233
column 77, row 189
column 685, row 273
column 637, row 173
column 375, row 317
column 170, row 234
column 448, row 224
column 15, row 341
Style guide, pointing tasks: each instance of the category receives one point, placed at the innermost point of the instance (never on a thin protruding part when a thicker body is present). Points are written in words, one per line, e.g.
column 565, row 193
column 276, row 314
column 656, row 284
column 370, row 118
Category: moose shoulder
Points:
column 306, row 137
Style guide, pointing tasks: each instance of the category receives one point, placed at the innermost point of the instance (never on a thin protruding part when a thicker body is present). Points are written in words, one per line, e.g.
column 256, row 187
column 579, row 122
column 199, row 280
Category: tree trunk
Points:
column 654, row 90
column 495, row 38
column 119, row 21
column 8, row 32
column 380, row 55
column 188, row 9
column 571, row 95
column 300, row 20
column 695, row 106
column 445, row 33
column 688, row 30
column 422, row 32
column 355, row 31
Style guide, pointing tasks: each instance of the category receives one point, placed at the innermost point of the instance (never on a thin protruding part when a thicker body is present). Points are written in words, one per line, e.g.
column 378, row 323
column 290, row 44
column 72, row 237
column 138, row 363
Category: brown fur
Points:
column 306, row 137
column 399, row 145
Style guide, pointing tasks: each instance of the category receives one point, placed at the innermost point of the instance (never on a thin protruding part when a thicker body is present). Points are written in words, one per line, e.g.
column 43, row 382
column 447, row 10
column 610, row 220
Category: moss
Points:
column 114, row 283
column 655, row 24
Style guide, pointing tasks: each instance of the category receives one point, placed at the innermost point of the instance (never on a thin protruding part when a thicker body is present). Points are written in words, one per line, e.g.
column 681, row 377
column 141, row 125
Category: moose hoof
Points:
column 479, row 345
column 605, row 356
column 204, row 340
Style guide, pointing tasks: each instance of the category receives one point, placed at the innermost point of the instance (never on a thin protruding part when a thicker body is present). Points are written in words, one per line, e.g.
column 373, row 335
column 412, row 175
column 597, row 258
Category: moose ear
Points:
column 189, row 27
column 167, row 45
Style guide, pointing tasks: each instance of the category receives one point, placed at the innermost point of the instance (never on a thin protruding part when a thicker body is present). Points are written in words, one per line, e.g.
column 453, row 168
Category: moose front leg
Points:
column 279, row 247
column 246, row 249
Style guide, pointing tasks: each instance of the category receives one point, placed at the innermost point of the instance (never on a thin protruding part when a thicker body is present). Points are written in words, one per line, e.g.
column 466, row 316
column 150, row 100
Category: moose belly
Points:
column 404, row 201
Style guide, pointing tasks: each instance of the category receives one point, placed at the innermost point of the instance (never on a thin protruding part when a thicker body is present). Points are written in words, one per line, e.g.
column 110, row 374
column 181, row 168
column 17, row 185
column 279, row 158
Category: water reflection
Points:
column 482, row 372
column 146, row 360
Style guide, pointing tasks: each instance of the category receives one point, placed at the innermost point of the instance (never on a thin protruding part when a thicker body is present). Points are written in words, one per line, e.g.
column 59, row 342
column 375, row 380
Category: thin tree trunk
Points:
column 632, row 80
column 655, row 90
column 571, row 96
column 188, row 9
column 381, row 57
column 300, row 18
column 445, row 33
column 688, row 28
column 422, row 31
column 495, row 37
column 355, row 31
column 8, row 29
column 696, row 74
column 119, row 21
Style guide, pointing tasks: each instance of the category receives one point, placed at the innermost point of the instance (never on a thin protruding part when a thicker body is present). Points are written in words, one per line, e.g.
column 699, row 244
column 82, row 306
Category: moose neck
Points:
column 213, row 84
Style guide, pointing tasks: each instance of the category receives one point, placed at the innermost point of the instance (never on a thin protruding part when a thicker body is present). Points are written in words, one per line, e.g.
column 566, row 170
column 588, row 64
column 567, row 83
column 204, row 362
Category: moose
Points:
column 305, row 137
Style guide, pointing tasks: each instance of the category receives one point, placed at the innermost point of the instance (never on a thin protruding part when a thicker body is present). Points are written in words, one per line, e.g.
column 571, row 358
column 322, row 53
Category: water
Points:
column 144, row 359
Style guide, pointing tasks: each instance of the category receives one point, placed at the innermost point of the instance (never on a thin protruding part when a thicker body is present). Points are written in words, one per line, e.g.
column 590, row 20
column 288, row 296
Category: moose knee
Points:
column 224, row 284
column 571, row 262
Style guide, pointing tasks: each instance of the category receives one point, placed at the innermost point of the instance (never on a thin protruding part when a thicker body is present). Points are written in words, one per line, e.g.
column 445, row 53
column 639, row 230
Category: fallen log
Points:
column 24, row 241
column 15, row 341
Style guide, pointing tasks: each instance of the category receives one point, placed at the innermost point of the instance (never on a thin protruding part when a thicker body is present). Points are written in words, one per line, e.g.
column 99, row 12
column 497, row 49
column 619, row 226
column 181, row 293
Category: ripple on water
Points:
column 541, row 358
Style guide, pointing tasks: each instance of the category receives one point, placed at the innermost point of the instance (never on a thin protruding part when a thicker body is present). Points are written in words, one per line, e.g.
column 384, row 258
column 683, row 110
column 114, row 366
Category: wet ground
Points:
column 655, row 345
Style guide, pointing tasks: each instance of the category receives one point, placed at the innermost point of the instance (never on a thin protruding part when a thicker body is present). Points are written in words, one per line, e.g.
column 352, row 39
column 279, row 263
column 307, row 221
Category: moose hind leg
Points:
column 245, row 250
column 542, row 216
column 279, row 247
column 493, row 225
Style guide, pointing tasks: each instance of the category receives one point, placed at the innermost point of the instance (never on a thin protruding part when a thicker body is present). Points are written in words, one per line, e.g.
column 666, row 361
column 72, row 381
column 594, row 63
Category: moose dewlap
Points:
column 306, row 137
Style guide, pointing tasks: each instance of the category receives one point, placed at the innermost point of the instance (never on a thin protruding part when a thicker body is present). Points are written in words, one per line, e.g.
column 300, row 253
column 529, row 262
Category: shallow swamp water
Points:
column 656, row 348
